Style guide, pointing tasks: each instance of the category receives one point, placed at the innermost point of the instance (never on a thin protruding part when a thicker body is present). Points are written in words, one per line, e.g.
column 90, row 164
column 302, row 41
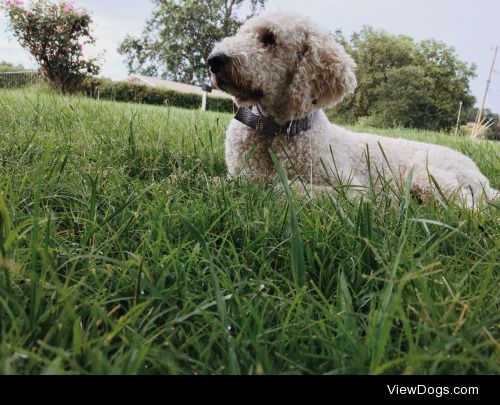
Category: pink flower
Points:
column 14, row 3
column 67, row 9
column 80, row 46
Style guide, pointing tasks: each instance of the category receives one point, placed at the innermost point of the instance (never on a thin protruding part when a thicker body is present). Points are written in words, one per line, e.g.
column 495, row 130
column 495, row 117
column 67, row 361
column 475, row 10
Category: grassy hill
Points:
column 124, row 249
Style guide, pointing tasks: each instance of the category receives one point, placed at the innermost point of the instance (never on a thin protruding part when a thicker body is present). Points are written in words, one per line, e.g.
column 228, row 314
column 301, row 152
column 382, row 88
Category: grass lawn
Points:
column 124, row 249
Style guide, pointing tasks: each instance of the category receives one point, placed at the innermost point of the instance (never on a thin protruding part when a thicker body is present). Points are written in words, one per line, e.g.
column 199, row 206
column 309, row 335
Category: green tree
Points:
column 405, row 83
column 376, row 55
column 449, row 79
column 180, row 34
column 403, row 98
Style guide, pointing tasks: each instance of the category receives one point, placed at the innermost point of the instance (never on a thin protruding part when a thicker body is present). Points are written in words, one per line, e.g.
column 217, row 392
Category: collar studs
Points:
column 267, row 126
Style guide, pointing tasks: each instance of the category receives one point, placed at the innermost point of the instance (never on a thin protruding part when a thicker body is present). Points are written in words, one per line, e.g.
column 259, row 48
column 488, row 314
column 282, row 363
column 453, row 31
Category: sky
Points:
column 471, row 27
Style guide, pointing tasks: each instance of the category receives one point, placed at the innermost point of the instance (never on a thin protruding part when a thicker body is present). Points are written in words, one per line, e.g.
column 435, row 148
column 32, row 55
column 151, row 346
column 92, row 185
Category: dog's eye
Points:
column 268, row 38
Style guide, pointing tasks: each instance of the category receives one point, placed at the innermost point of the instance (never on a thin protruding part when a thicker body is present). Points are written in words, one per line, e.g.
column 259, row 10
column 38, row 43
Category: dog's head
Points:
column 284, row 63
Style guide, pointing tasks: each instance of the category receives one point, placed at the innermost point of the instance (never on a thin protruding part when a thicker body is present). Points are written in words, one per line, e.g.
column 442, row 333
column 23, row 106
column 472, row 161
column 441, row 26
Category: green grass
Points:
column 124, row 249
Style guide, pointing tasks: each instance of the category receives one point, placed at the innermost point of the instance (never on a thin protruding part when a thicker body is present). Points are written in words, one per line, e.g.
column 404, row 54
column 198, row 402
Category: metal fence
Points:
column 19, row 79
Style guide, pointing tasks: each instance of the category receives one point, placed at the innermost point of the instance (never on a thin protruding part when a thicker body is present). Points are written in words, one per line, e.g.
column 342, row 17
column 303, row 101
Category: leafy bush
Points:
column 55, row 35
column 220, row 104
column 128, row 92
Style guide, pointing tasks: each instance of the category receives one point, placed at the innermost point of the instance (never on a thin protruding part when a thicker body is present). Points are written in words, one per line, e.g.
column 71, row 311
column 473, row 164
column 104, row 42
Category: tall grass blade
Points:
column 297, row 244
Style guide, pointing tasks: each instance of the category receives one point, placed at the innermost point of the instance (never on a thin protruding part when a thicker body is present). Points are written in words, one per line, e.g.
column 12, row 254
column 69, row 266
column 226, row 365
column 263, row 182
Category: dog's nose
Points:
column 217, row 60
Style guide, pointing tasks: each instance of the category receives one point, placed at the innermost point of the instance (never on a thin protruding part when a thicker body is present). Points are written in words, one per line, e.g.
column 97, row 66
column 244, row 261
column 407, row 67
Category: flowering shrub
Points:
column 55, row 34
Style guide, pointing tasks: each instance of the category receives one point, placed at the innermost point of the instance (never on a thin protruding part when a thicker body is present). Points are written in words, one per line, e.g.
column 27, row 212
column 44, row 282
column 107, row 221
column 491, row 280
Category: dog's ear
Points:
column 324, row 75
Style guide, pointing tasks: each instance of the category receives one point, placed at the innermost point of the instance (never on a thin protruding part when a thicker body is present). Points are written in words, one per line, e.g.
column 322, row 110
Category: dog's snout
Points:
column 217, row 60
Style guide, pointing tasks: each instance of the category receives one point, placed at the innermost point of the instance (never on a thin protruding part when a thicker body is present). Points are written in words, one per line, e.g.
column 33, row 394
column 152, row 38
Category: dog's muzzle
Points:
column 217, row 61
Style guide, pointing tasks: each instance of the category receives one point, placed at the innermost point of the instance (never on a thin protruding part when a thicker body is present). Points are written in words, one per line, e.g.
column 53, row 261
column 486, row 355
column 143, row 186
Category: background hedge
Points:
column 128, row 92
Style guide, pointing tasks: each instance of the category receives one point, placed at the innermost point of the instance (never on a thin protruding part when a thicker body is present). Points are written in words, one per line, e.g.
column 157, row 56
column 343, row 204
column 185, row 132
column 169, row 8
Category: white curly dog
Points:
column 283, row 70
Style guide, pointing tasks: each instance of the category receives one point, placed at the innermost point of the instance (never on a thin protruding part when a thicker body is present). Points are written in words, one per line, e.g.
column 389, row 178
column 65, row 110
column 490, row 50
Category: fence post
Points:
column 204, row 101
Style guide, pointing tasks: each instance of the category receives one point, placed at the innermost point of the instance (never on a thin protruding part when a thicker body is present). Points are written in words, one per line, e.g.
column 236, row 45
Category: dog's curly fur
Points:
column 289, row 67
